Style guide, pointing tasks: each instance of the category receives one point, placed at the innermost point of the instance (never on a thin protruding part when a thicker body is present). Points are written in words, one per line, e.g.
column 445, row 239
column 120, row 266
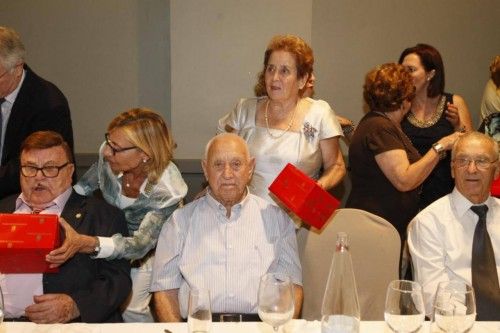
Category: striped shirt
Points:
column 202, row 248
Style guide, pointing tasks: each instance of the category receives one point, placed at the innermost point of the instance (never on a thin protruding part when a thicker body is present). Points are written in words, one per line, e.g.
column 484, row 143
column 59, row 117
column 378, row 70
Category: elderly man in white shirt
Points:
column 444, row 238
column 224, row 241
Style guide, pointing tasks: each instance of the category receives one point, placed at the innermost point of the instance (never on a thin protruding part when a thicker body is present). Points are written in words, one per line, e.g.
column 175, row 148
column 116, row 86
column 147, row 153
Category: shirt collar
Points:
column 212, row 202
column 11, row 98
column 59, row 201
column 462, row 204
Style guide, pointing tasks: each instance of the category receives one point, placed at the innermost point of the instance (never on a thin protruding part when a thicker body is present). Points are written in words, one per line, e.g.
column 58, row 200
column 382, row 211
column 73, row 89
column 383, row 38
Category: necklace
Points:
column 432, row 120
column 284, row 131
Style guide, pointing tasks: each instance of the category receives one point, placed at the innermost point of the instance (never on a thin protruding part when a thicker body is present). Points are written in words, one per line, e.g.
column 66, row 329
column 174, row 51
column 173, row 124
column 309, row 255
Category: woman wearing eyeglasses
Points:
column 134, row 172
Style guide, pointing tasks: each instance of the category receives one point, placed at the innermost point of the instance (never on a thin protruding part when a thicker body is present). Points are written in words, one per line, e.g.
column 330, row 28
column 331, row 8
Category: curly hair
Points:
column 295, row 45
column 431, row 60
column 387, row 87
column 147, row 130
column 495, row 70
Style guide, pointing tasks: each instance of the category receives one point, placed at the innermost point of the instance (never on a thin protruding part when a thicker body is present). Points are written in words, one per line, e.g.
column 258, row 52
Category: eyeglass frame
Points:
column 480, row 163
column 43, row 169
column 113, row 149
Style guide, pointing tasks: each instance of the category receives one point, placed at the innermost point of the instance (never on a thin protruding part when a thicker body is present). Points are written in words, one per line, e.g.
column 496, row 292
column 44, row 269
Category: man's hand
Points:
column 52, row 308
column 73, row 243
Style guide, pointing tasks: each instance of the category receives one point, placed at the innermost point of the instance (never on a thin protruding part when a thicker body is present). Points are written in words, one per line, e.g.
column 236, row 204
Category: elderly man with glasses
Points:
column 28, row 103
column 457, row 237
column 85, row 289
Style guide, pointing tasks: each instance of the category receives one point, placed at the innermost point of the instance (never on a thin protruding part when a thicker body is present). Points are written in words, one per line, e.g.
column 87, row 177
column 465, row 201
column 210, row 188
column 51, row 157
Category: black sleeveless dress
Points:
column 422, row 136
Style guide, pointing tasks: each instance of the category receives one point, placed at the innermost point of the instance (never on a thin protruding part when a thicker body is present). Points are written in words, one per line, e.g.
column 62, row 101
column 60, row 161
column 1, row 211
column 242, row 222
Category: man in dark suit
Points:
column 28, row 104
column 85, row 289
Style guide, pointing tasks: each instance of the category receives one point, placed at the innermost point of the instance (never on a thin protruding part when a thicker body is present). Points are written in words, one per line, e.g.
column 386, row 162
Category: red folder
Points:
column 303, row 196
column 25, row 240
column 495, row 188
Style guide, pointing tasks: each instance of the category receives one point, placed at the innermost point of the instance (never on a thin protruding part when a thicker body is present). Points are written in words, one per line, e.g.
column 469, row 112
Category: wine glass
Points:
column 276, row 299
column 199, row 311
column 1, row 306
column 454, row 307
column 404, row 306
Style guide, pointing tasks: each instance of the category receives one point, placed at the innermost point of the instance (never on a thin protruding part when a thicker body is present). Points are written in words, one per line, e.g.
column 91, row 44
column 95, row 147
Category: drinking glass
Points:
column 275, row 299
column 199, row 311
column 454, row 307
column 404, row 306
column 1, row 306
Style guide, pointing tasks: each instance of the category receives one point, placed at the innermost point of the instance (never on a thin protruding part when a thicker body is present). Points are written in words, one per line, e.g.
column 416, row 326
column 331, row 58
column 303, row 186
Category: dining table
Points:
column 294, row 326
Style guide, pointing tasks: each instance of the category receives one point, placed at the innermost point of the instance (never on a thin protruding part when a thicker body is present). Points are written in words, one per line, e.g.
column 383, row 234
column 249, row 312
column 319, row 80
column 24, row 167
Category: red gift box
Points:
column 25, row 240
column 495, row 188
column 303, row 196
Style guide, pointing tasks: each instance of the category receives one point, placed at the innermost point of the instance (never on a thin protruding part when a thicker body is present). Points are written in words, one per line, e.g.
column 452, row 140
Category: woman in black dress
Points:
column 433, row 115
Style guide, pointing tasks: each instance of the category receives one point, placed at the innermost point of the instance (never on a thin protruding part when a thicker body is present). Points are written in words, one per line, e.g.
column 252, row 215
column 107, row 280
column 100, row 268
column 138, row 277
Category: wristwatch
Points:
column 97, row 248
column 439, row 149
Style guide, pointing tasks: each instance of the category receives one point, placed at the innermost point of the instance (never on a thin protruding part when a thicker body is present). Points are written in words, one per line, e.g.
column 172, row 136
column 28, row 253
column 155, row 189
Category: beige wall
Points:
column 109, row 55
column 351, row 37
column 217, row 50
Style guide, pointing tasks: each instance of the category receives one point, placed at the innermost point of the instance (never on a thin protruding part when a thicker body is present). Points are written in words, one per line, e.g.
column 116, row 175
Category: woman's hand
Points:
column 453, row 116
column 448, row 141
column 73, row 243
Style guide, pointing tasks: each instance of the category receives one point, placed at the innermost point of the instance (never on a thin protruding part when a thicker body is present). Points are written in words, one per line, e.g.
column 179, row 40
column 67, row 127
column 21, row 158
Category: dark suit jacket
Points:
column 97, row 286
column 39, row 105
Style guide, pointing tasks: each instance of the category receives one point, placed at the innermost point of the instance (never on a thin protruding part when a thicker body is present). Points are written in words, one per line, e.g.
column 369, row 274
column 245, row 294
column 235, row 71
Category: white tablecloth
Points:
column 295, row 326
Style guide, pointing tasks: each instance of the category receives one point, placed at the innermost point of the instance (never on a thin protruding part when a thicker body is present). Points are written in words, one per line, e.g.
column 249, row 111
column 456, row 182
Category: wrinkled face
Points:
column 421, row 78
column 118, row 154
column 9, row 78
column 472, row 181
column 228, row 170
column 41, row 190
column 281, row 79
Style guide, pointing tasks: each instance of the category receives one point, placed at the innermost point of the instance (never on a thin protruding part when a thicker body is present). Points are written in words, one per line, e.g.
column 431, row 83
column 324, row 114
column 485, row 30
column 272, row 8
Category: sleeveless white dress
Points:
column 272, row 154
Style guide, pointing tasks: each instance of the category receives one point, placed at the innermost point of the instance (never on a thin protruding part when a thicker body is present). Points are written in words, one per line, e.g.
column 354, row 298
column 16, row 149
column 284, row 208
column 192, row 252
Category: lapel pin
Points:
column 78, row 215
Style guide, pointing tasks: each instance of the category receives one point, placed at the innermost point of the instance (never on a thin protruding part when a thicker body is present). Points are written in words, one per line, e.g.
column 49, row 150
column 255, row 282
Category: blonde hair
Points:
column 147, row 130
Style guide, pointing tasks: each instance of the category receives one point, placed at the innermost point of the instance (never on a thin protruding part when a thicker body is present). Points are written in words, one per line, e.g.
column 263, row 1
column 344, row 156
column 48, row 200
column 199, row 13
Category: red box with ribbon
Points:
column 303, row 196
column 25, row 240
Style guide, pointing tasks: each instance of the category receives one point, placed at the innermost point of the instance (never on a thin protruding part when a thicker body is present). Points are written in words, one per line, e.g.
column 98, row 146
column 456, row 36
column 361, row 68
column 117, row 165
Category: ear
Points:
column 251, row 164
column 71, row 169
column 452, row 170
column 302, row 82
column 204, row 167
column 497, row 171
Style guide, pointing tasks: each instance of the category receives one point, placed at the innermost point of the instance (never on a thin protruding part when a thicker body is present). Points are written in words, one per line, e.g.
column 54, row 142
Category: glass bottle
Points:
column 340, row 310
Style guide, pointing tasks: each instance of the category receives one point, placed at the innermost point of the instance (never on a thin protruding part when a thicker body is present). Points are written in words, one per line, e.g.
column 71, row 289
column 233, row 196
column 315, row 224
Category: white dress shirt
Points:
column 19, row 289
column 440, row 241
column 199, row 247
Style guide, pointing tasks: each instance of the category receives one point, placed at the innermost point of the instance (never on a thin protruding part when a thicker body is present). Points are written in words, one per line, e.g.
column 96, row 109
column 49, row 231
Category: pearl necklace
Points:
column 287, row 128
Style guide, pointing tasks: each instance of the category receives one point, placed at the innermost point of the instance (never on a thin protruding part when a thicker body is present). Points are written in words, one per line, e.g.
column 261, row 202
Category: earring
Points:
column 144, row 160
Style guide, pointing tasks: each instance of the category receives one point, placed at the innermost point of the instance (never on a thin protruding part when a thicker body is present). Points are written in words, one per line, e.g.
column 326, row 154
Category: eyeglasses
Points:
column 50, row 171
column 113, row 149
column 481, row 163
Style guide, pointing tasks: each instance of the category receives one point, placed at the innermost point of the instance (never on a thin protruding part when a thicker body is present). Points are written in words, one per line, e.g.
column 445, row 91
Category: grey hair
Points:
column 478, row 136
column 12, row 50
column 225, row 136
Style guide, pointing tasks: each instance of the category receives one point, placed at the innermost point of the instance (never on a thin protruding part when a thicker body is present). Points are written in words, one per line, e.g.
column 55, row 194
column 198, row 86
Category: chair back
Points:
column 374, row 246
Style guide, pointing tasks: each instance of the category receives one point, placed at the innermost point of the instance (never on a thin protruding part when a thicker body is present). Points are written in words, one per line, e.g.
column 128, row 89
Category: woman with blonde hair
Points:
column 134, row 172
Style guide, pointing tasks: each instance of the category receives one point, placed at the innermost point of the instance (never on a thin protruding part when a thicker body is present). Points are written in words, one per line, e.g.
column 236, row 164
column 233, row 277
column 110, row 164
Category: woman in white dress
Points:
column 281, row 126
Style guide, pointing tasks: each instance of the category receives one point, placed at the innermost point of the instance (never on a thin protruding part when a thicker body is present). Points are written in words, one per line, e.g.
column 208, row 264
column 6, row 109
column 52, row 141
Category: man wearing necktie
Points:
column 84, row 289
column 458, row 236
column 28, row 103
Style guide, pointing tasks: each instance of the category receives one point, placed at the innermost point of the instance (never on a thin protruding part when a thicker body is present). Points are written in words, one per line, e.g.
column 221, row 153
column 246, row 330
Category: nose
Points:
column 276, row 75
column 107, row 152
column 471, row 167
column 228, row 171
column 39, row 175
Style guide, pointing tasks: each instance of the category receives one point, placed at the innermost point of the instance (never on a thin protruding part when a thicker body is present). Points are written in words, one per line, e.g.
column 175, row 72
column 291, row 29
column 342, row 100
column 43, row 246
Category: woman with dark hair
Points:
column 386, row 170
column 282, row 126
column 433, row 115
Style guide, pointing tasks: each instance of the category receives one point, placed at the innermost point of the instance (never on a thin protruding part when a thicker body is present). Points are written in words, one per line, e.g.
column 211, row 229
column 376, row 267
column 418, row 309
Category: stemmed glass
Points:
column 199, row 311
column 276, row 300
column 1, row 306
column 404, row 306
column 454, row 307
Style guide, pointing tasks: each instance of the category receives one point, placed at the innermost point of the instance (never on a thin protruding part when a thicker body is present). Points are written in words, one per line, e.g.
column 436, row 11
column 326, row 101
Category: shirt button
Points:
column 230, row 247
